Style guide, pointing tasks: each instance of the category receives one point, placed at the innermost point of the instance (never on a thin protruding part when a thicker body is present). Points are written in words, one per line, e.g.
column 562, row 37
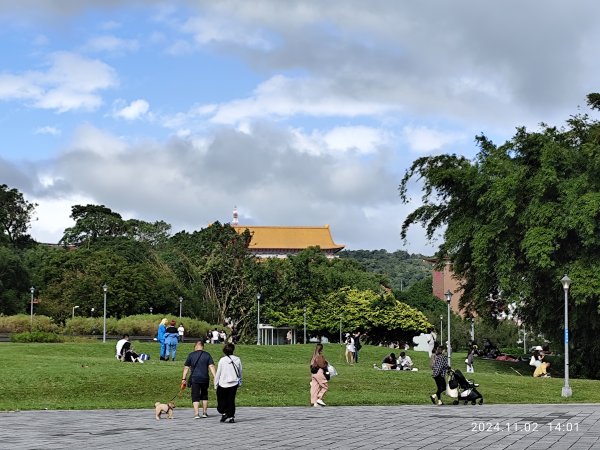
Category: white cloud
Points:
column 216, row 29
column 135, row 110
column 360, row 138
column 48, row 130
column 281, row 96
column 109, row 43
column 424, row 139
column 71, row 82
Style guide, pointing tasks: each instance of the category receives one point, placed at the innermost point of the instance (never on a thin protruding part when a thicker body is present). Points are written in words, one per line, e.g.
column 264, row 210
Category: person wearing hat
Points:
column 171, row 340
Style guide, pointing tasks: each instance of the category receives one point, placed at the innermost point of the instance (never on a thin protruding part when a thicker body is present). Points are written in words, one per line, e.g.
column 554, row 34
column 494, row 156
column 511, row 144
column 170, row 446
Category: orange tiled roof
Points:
column 265, row 237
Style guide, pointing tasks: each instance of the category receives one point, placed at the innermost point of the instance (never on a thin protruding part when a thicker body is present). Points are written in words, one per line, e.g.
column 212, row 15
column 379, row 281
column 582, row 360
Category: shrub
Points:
column 36, row 336
column 22, row 322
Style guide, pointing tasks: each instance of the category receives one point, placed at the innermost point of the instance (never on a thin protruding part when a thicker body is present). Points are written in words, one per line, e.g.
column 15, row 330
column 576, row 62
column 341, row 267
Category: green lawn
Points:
column 87, row 376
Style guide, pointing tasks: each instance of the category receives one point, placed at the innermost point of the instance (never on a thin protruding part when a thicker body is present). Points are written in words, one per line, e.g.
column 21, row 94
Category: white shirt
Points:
column 350, row 345
column 120, row 346
column 405, row 362
column 180, row 330
column 226, row 374
column 215, row 335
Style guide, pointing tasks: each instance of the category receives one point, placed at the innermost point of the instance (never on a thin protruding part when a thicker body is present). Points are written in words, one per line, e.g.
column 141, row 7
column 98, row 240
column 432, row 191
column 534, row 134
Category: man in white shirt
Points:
column 180, row 331
column 119, row 346
column 405, row 362
column 215, row 336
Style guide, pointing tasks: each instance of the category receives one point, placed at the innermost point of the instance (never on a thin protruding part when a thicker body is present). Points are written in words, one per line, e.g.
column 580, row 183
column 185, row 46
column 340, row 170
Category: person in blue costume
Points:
column 162, row 328
column 171, row 341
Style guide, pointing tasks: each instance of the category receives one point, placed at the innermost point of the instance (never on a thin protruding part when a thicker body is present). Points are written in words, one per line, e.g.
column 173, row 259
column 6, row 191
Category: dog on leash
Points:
column 166, row 408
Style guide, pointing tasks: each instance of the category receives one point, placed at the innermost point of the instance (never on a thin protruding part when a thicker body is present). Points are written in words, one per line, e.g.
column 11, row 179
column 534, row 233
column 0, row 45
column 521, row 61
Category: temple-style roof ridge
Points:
column 266, row 237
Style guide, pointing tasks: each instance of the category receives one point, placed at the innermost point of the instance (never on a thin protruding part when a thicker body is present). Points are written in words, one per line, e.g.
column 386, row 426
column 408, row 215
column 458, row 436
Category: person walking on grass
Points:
column 227, row 380
column 199, row 362
column 318, row 382
column 438, row 372
column 350, row 349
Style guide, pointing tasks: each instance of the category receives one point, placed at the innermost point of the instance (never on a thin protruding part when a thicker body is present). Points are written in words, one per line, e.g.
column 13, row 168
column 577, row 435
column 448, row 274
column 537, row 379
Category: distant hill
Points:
column 402, row 268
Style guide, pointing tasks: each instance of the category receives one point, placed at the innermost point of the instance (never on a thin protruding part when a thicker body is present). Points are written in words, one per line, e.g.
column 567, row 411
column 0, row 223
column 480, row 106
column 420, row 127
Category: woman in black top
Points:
column 440, row 367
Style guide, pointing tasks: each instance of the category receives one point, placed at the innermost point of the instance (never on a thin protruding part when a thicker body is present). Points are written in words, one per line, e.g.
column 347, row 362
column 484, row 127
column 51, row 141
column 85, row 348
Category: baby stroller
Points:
column 467, row 390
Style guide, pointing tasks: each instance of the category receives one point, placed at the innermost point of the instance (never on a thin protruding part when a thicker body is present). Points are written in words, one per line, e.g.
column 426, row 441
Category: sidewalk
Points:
column 571, row 426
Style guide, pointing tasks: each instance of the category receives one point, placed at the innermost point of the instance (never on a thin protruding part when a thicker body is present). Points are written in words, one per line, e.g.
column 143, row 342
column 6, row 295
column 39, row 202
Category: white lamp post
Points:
column 105, row 289
column 448, row 298
column 180, row 304
column 566, row 390
column 32, row 290
column 441, row 327
column 305, row 324
column 258, row 319
column 74, row 308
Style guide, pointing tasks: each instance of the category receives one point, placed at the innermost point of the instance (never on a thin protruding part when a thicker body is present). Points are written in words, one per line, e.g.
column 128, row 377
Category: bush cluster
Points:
column 36, row 336
column 139, row 325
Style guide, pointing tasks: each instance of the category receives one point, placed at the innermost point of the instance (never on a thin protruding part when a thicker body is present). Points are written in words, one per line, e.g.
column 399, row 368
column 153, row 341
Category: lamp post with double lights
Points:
column 74, row 308
column 105, row 289
column 258, row 319
column 566, row 283
column 32, row 290
column 448, row 298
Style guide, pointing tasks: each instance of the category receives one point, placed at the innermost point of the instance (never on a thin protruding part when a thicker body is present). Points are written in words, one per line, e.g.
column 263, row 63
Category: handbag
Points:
column 327, row 374
column 314, row 369
column 331, row 370
column 188, row 382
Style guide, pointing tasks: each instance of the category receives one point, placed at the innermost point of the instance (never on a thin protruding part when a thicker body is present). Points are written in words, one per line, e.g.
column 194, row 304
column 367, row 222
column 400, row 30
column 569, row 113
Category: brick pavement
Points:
column 566, row 426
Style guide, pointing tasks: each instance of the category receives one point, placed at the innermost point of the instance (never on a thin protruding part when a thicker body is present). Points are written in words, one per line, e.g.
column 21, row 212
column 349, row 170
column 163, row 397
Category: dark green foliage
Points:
column 37, row 336
column 15, row 215
column 516, row 219
column 400, row 268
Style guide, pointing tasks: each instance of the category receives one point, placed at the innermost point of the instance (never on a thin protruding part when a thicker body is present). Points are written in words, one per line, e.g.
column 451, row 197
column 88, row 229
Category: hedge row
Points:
column 140, row 325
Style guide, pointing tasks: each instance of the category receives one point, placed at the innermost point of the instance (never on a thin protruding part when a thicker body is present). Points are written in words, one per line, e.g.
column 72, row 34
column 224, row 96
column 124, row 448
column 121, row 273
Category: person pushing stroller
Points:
column 438, row 371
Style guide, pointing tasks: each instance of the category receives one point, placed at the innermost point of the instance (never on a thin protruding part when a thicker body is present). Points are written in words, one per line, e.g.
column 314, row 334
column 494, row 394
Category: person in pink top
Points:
column 318, row 383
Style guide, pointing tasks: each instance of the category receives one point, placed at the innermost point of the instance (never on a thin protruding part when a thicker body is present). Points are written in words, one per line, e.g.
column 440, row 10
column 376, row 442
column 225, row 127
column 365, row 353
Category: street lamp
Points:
column 305, row 324
column 180, row 304
column 258, row 319
column 566, row 390
column 105, row 289
column 74, row 308
column 32, row 290
column 441, row 327
column 92, row 311
column 448, row 298
column 151, row 309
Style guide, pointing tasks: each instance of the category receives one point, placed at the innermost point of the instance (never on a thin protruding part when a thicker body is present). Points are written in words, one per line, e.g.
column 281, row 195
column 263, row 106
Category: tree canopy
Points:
column 516, row 219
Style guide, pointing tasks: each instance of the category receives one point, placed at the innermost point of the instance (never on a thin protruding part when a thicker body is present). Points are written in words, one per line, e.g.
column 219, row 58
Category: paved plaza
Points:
column 570, row 426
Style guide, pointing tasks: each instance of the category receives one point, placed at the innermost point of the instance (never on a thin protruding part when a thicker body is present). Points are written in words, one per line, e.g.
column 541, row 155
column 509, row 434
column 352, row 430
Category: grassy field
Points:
column 87, row 376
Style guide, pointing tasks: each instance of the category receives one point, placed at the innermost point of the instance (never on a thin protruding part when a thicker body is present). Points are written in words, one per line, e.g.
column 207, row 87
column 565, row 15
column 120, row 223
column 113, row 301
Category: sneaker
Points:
column 440, row 402
column 204, row 415
column 223, row 418
column 196, row 416
column 231, row 420
column 316, row 405
column 321, row 402
column 433, row 398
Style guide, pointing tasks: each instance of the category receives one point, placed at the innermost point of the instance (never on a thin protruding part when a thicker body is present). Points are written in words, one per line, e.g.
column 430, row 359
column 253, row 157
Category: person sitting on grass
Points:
column 405, row 362
column 128, row 354
column 389, row 362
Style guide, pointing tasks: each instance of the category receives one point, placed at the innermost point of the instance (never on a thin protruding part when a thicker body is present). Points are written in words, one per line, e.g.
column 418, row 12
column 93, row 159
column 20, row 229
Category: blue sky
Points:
column 296, row 112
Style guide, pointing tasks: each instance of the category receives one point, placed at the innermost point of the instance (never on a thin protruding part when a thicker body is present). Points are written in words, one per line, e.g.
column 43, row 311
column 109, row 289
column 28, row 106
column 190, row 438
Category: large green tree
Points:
column 15, row 215
column 518, row 217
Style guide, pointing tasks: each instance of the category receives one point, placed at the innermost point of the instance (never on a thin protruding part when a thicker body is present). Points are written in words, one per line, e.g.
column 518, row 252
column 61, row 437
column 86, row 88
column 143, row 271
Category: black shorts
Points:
column 199, row 391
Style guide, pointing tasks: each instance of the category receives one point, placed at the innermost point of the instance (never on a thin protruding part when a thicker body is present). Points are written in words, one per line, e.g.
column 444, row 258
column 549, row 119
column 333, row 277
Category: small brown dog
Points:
column 167, row 408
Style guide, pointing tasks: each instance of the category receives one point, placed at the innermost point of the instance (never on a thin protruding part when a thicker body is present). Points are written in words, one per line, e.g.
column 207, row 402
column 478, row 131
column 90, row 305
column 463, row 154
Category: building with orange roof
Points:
column 281, row 241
